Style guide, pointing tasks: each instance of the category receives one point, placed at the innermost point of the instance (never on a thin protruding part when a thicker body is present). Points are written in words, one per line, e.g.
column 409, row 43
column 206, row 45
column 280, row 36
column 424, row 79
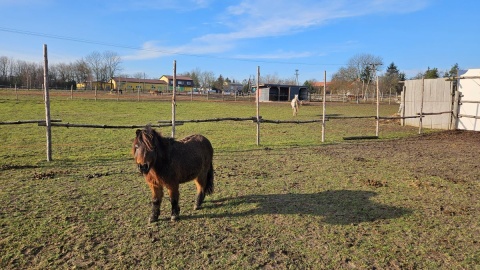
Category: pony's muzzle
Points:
column 143, row 168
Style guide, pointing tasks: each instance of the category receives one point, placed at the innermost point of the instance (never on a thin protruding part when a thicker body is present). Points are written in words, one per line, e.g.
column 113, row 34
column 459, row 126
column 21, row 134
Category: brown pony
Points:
column 167, row 163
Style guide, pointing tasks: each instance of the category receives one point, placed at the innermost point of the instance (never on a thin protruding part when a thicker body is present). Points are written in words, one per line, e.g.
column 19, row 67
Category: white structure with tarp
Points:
column 468, row 117
column 443, row 103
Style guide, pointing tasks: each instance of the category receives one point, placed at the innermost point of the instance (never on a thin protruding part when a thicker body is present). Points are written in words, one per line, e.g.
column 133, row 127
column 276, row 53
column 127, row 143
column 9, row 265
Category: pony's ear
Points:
column 149, row 130
column 138, row 132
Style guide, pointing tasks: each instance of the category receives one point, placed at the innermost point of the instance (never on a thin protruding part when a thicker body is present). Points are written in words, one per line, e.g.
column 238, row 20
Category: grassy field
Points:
column 293, row 202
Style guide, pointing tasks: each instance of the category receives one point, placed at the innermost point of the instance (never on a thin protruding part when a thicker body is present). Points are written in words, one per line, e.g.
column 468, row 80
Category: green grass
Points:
column 293, row 202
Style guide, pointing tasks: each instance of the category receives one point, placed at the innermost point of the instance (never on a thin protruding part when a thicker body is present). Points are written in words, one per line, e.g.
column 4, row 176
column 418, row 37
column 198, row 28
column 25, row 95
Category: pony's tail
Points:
column 209, row 184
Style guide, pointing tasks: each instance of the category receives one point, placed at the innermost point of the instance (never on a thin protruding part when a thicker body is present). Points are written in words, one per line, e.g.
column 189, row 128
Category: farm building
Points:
column 444, row 103
column 90, row 85
column 233, row 87
column 184, row 83
column 133, row 84
column 318, row 86
column 279, row 92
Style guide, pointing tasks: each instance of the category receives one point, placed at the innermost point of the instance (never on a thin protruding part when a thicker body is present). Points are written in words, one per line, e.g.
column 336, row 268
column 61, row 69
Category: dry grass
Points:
column 401, row 202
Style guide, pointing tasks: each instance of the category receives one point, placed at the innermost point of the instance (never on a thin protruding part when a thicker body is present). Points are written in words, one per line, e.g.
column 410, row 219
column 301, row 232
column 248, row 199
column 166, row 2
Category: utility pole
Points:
column 296, row 76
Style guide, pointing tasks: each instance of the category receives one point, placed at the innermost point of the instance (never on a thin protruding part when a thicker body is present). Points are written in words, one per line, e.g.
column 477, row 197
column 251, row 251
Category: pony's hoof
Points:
column 197, row 207
column 153, row 219
column 174, row 218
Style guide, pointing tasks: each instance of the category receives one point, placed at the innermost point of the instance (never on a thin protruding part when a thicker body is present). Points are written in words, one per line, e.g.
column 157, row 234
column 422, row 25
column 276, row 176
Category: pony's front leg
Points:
column 157, row 195
column 174, row 198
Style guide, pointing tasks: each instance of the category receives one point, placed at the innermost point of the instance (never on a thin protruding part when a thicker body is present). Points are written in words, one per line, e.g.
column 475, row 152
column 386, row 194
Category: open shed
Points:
column 280, row 92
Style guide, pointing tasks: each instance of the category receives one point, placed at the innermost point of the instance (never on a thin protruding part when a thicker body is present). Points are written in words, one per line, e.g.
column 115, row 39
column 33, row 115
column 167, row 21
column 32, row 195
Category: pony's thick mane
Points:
column 147, row 138
column 154, row 142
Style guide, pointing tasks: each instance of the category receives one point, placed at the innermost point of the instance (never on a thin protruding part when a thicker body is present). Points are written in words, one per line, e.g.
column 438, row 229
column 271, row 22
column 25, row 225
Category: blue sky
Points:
column 232, row 38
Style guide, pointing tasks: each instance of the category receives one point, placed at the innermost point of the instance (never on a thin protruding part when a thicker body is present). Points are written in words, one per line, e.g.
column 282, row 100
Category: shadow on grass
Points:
column 336, row 206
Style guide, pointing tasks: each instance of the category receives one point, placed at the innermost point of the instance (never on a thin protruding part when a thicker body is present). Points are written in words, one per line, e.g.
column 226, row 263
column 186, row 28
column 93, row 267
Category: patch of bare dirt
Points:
column 451, row 155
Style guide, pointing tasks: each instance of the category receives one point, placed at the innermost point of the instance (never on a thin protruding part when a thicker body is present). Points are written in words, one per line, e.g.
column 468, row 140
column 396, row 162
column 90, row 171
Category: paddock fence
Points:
column 442, row 103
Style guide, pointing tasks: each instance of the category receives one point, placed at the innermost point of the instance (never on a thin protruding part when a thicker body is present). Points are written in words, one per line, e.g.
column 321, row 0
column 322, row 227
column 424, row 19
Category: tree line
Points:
column 358, row 77
column 94, row 67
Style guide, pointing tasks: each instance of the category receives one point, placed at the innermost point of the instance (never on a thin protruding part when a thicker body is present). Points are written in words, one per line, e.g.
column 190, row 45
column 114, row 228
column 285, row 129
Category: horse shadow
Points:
column 340, row 207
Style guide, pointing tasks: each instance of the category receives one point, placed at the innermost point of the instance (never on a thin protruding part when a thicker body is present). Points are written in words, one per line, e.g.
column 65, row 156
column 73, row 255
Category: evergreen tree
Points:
column 392, row 70
column 453, row 71
column 392, row 77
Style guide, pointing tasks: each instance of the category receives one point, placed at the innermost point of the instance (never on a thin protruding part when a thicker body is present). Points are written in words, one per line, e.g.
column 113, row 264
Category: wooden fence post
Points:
column 402, row 105
column 138, row 93
column 421, row 107
column 173, row 96
column 455, row 110
column 378, row 110
column 47, row 103
column 324, row 105
column 258, row 105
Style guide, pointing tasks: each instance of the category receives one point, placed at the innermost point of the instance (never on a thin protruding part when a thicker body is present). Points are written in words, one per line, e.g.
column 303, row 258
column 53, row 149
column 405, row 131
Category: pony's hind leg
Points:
column 200, row 195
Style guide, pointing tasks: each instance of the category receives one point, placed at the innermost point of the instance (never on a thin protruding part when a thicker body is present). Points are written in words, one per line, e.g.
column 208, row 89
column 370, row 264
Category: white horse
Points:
column 294, row 104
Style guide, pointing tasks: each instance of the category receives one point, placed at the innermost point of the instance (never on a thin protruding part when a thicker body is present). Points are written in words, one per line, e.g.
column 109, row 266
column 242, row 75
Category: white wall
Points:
column 437, row 98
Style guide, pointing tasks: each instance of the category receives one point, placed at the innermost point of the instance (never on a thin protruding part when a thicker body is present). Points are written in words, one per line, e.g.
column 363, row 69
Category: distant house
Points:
column 133, row 84
column 318, row 86
column 280, row 92
column 233, row 87
column 184, row 83
column 90, row 85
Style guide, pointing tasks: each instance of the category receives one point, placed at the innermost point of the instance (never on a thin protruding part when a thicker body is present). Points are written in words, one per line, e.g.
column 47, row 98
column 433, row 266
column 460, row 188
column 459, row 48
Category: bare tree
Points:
column 111, row 62
column 30, row 75
column 195, row 74
column 344, row 81
column 206, row 79
column 270, row 78
column 365, row 67
column 138, row 75
column 289, row 81
column 4, row 65
column 81, row 71
column 94, row 61
column 65, row 75
column 103, row 66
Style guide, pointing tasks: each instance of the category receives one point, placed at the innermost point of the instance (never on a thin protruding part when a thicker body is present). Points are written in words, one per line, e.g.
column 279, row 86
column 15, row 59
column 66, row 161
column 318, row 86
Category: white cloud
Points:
column 251, row 19
column 152, row 49
column 262, row 18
